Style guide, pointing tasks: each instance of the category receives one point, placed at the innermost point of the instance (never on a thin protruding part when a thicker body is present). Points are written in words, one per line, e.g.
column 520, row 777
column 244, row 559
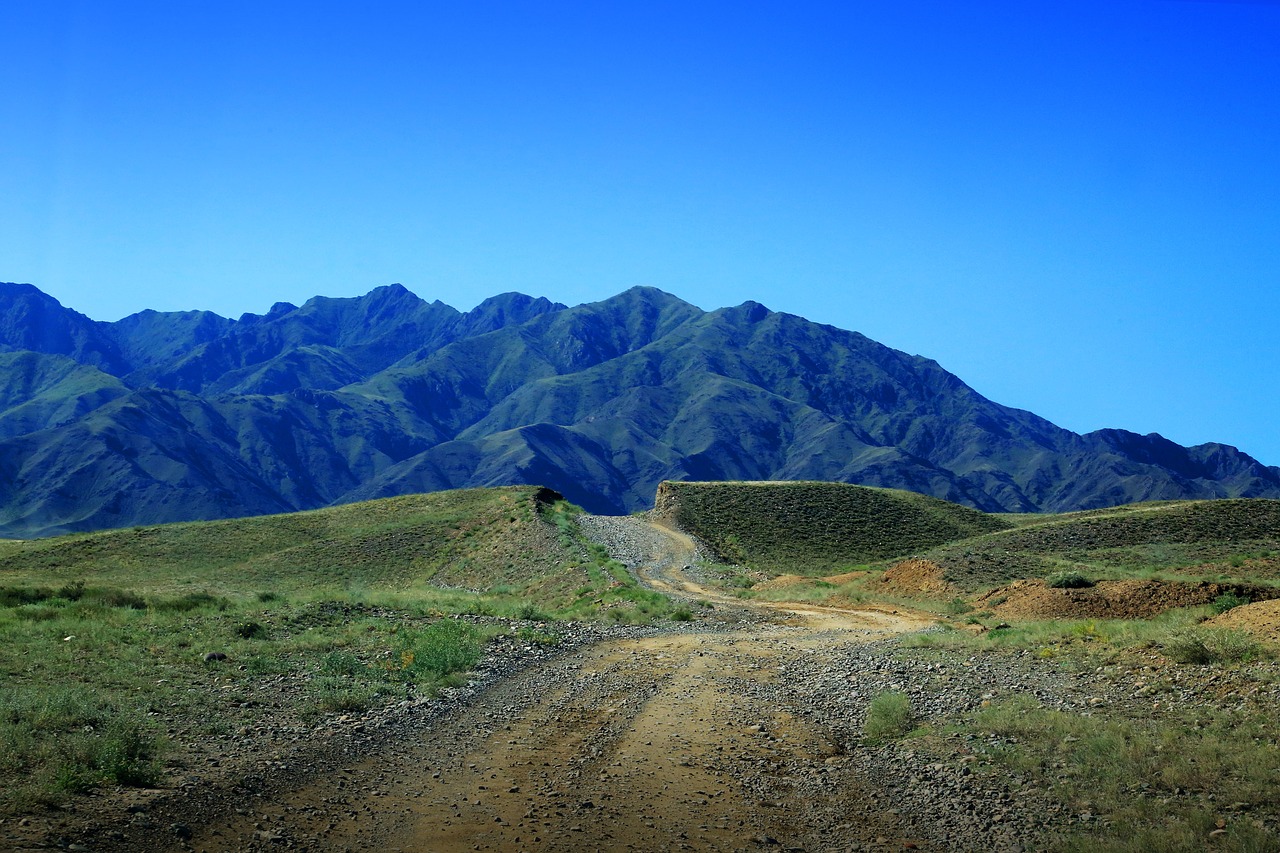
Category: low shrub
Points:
column 889, row 716
column 16, row 596
column 442, row 648
column 1068, row 580
column 116, row 598
column 341, row 663
column 338, row 694
column 531, row 612
column 59, row 741
column 251, row 630
column 537, row 636
column 1228, row 601
column 71, row 591
column 1203, row 646
column 191, row 601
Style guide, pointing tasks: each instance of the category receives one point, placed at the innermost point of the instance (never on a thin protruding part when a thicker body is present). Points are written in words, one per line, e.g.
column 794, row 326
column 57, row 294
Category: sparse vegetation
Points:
column 1155, row 780
column 889, row 717
column 1206, row 646
column 1177, row 540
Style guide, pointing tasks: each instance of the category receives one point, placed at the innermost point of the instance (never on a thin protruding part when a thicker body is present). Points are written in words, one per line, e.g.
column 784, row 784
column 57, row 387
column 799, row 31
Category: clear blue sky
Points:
column 1072, row 205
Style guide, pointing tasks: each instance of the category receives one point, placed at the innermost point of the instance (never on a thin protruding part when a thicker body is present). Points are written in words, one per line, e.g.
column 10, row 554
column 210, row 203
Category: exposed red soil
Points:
column 1131, row 599
column 915, row 577
column 784, row 581
column 1262, row 619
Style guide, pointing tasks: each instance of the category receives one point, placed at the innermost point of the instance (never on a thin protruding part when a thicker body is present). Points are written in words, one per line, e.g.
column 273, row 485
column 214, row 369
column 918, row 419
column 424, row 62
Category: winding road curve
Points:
column 681, row 740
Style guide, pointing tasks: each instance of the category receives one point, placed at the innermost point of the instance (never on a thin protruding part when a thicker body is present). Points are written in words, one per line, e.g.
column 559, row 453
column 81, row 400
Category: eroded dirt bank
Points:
column 737, row 732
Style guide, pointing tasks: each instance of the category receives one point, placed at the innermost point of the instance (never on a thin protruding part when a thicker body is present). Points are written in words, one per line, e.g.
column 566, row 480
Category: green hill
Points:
column 1209, row 540
column 474, row 538
column 815, row 528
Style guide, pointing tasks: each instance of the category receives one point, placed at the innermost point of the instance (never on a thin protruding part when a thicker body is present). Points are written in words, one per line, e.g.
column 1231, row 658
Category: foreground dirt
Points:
column 636, row 745
column 739, row 730
column 664, row 742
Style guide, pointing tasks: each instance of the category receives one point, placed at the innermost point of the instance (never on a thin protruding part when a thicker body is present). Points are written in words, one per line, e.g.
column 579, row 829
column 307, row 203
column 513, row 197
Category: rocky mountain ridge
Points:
column 189, row 415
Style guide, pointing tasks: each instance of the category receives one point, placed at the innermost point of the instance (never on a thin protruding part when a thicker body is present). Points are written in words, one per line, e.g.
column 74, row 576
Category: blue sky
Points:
column 1074, row 206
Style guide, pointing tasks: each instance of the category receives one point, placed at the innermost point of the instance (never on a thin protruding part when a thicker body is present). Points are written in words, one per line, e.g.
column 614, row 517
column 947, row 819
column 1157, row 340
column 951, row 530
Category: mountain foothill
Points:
column 175, row 416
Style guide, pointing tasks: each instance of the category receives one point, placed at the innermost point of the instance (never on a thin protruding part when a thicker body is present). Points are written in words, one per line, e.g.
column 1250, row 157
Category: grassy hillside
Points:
column 1219, row 540
column 814, row 528
column 478, row 538
column 104, row 637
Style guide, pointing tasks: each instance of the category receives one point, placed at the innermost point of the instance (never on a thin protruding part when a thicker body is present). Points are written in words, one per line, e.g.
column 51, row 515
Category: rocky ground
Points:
column 739, row 730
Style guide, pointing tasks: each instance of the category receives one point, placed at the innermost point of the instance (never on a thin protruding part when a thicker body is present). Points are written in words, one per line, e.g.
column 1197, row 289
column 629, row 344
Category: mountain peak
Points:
column 507, row 309
column 752, row 311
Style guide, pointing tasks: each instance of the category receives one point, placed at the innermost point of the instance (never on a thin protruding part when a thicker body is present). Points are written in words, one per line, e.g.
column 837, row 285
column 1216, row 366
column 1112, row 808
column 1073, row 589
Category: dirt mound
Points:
column 915, row 577
column 784, row 581
column 1262, row 618
column 781, row 582
column 1135, row 599
column 847, row 577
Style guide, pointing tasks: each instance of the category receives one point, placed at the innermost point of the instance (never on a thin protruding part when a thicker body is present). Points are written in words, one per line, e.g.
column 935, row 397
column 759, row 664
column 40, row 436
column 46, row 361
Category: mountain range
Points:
column 189, row 415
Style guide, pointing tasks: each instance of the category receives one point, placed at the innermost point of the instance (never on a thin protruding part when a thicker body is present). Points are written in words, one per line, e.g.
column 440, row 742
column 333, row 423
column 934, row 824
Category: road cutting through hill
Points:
column 684, row 740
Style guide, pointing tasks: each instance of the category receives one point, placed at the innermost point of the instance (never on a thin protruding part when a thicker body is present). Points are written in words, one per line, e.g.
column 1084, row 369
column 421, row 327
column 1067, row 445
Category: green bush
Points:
column 338, row 694
column 251, row 630
column 1187, row 647
column 72, row 591
column 529, row 634
column 889, row 716
column 191, row 601
column 60, row 741
column 116, row 598
column 682, row 614
column 1204, row 646
column 1228, row 601
column 341, row 663
column 532, row 613
column 442, row 648
column 1068, row 580
column 16, row 596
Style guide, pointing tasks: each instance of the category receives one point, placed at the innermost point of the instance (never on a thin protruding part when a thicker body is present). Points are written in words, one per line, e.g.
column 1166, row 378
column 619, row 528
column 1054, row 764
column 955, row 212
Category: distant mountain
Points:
column 169, row 416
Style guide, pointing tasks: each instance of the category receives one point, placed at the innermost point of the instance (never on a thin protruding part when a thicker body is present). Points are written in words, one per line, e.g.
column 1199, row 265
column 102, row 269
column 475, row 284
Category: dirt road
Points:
column 690, row 738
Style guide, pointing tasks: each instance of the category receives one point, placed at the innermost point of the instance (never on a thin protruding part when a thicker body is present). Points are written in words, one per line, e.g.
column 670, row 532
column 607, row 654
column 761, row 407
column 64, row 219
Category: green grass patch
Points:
column 889, row 717
column 59, row 741
column 1150, row 778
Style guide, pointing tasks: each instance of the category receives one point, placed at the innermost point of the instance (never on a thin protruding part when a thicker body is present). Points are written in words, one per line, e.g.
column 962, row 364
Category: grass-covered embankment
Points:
column 812, row 528
column 1219, row 540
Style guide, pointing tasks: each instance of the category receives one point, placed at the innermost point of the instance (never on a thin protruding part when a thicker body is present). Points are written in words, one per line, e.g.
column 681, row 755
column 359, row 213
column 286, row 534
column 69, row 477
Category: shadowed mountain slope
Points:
column 162, row 417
